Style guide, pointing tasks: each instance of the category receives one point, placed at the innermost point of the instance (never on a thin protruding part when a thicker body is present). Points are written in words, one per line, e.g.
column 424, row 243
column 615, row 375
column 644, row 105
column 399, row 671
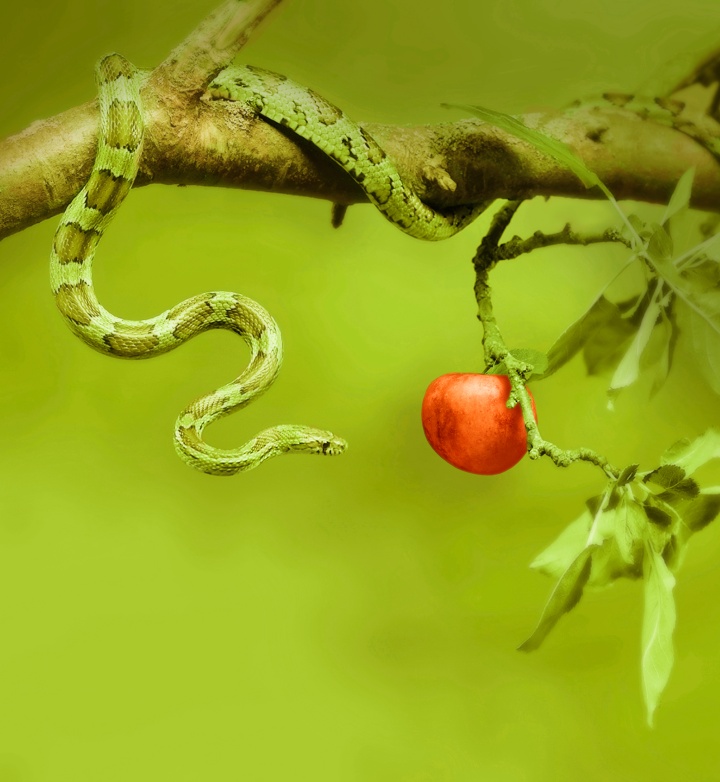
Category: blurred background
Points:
column 341, row 619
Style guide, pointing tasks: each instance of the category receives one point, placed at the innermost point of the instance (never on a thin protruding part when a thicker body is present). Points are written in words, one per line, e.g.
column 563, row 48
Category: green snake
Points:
column 119, row 149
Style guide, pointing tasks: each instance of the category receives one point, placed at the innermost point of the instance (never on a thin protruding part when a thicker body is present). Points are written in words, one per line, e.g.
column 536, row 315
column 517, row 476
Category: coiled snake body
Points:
column 116, row 165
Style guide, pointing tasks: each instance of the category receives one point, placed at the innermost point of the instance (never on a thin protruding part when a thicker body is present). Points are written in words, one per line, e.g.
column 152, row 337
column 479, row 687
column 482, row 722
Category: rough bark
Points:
column 194, row 141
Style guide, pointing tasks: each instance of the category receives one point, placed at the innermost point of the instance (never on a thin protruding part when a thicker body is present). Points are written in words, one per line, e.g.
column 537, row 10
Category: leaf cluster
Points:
column 681, row 291
column 639, row 527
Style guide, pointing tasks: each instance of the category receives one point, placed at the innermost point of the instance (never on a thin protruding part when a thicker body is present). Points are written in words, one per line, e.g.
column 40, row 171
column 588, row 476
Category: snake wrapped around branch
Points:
column 116, row 164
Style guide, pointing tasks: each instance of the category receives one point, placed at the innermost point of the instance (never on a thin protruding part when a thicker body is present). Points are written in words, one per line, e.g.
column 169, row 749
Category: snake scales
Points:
column 116, row 164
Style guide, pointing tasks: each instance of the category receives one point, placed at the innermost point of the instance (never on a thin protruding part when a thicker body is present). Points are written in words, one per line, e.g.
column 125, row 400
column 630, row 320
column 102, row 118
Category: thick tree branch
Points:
column 194, row 141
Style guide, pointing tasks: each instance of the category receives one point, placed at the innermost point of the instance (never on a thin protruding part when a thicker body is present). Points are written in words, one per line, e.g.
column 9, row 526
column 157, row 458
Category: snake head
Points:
column 306, row 439
column 320, row 441
column 329, row 444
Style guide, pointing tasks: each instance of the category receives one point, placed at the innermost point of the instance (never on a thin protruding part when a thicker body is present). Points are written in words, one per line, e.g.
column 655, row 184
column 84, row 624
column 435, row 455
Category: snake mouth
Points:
column 333, row 447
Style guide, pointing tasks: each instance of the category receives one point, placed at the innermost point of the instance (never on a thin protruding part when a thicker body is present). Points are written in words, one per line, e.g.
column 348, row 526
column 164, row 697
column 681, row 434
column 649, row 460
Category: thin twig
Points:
column 516, row 246
column 518, row 371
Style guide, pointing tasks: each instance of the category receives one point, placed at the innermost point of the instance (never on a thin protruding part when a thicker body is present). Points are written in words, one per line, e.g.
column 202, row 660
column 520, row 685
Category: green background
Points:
column 327, row 619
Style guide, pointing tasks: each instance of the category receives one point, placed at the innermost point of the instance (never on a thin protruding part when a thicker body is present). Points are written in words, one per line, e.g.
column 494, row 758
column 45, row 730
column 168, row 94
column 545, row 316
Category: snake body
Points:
column 312, row 117
column 116, row 164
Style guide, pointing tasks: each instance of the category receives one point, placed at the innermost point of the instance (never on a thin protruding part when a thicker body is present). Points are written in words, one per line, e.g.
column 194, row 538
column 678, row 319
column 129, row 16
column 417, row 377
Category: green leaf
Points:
column 534, row 358
column 701, row 274
column 639, row 225
column 601, row 326
column 702, row 330
column 630, row 530
column 667, row 476
column 607, row 565
column 607, row 344
column 537, row 360
column 660, row 245
column 593, row 504
column 657, row 515
column 674, row 552
column 603, row 524
column 561, row 553
column 699, row 293
column 555, row 149
column 657, row 630
column 621, row 533
column 628, row 369
column 702, row 510
column 704, row 248
column 691, row 455
column 680, row 199
column 668, row 271
column 564, row 597
column 628, row 474
column 672, row 479
column 497, row 369
column 667, row 333
column 686, row 489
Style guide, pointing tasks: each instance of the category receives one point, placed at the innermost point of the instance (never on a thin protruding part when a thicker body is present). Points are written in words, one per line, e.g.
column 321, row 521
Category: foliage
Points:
column 640, row 525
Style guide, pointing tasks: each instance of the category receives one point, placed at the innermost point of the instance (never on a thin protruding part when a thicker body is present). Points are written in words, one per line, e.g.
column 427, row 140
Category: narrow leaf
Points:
column 660, row 245
column 564, row 597
column 680, row 198
column 606, row 347
column 657, row 515
column 561, row 553
column 628, row 474
column 700, row 296
column 630, row 528
column 702, row 274
column 639, row 225
column 657, row 630
column 599, row 316
column 707, row 247
column 704, row 338
column 607, row 565
column 667, row 332
column 691, row 455
column 555, row 149
column 702, row 510
column 629, row 367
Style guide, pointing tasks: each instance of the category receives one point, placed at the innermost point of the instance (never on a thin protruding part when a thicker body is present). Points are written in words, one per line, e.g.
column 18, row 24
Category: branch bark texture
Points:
column 194, row 141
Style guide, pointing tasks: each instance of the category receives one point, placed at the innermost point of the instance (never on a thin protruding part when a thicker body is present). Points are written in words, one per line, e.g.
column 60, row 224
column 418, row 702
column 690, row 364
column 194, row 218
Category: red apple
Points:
column 467, row 422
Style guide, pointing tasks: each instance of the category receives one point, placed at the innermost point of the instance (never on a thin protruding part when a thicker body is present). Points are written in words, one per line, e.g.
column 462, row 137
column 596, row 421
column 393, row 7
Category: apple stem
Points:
column 496, row 351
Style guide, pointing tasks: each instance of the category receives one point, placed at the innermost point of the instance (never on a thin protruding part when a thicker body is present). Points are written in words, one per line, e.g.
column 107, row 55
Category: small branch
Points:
column 517, row 246
column 498, row 226
column 192, row 65
column 518, row 372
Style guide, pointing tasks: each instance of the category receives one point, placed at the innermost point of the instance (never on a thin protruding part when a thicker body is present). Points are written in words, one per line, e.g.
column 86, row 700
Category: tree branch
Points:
column 194, row 141
column 212, row 46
